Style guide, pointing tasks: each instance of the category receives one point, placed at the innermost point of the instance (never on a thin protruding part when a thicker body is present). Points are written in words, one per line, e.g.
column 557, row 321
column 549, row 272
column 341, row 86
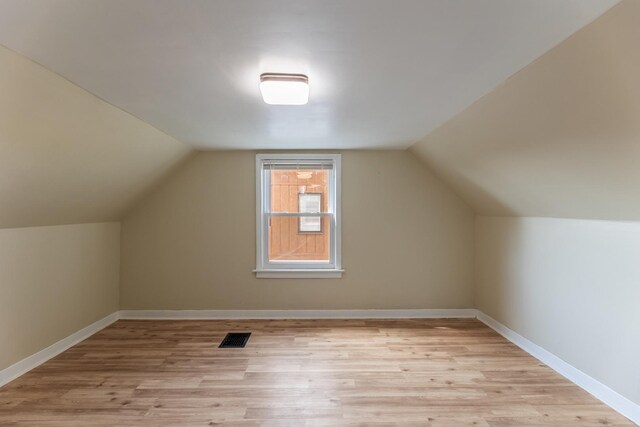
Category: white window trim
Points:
column 265, row 269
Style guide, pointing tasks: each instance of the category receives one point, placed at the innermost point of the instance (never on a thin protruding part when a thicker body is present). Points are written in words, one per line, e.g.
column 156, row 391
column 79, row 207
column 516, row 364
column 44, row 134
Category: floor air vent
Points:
column 235, row 340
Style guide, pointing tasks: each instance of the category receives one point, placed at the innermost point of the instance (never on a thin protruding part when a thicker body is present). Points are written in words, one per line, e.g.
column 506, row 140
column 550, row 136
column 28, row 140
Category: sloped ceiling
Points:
column 383, row 73
column 65, row 155
column 561, row 138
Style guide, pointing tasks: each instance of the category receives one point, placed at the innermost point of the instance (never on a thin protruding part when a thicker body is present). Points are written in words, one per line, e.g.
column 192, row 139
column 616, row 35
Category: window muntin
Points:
column 298, row 212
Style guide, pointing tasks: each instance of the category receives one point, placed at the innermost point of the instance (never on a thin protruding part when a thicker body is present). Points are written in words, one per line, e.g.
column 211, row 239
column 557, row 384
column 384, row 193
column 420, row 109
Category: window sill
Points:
column 299, row 274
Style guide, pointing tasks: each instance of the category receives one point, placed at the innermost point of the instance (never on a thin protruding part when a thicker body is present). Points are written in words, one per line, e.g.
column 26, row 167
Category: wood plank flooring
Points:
column 422, row 372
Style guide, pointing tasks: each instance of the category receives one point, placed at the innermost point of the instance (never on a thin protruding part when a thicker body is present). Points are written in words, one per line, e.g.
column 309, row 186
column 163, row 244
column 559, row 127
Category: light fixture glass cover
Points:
column 284, row 89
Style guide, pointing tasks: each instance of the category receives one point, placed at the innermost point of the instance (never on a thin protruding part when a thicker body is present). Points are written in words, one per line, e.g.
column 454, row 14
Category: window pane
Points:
column 303, row 190
column 288, row 240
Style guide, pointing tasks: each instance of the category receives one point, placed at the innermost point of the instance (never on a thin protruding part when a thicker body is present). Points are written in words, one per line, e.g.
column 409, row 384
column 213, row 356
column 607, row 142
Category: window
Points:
column 298, row 215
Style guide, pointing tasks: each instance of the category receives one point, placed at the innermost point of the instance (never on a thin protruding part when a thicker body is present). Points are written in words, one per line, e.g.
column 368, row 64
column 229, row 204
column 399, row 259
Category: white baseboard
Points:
column 298, row 314
column 611, row 398
column 25, row 365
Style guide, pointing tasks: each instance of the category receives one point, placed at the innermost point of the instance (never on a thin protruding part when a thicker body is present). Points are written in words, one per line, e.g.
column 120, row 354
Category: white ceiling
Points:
column 382, row 73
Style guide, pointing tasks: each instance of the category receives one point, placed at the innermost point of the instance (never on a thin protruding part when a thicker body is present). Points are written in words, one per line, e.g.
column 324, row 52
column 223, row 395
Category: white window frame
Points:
column 297, row 269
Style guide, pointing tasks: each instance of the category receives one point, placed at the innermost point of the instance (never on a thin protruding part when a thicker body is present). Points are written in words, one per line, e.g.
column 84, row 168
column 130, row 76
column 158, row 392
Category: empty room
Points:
column 319, row 213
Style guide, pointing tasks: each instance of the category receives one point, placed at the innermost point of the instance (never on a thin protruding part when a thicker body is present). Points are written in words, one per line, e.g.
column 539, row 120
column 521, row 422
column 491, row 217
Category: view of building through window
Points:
column 299, row 238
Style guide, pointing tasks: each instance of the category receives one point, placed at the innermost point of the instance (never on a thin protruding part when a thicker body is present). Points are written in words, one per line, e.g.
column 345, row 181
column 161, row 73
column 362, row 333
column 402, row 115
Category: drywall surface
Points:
column 54, row 281
column 66, row 156
column 558, row 139
column 407, row 241
column 570, row 286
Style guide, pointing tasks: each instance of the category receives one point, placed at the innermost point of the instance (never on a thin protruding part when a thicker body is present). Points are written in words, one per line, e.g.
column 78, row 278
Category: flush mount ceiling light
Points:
column 284, row 89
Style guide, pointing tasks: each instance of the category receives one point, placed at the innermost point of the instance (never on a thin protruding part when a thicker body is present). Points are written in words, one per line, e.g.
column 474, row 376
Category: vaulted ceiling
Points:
column 561, row 138
column 68, row 157
column 383, row 73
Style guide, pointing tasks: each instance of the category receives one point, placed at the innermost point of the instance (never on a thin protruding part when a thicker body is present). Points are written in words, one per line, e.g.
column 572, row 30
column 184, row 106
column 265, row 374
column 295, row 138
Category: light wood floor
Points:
column 301, row 373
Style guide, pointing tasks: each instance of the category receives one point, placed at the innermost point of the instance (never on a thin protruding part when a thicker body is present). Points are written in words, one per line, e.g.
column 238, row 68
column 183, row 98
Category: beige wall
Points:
column 54, row 281
column 407, row 240
column 561, row 138
column 570, row 286
column 68, row 157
